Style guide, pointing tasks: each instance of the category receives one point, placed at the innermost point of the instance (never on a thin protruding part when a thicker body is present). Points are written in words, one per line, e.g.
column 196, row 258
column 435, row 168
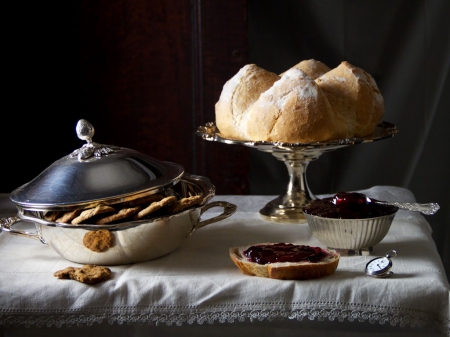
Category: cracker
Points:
column 185, row 203
column 98, row 241
column 154, row 206
column 67, row 217
column 53, row 215
column 88, row 273
column 143, row 201
column 89, row 213
column 122, row 214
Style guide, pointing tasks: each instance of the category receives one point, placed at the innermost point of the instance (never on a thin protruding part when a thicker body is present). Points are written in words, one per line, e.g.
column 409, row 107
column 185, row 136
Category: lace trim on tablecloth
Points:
column 222, row 314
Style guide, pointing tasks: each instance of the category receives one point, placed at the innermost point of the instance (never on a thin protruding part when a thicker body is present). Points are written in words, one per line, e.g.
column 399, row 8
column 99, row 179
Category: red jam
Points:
column 283, row 252
column 348, row 205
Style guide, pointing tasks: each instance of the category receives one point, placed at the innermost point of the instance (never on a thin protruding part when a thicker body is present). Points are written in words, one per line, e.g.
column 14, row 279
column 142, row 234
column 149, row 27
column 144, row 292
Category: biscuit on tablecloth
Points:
column 98, row 241
column 92, row 212
column 154, row 206
column 88, row 273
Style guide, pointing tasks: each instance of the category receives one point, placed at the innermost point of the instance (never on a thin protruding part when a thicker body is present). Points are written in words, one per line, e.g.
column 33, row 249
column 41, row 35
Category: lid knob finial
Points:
column 85, row 131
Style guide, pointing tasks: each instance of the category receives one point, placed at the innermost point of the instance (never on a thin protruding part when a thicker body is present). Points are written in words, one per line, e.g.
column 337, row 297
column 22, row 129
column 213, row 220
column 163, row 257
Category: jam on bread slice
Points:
column 285, row 261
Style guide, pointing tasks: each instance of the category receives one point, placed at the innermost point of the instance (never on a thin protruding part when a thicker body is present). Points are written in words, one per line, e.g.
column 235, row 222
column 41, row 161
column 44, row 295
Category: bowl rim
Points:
column 307, row 215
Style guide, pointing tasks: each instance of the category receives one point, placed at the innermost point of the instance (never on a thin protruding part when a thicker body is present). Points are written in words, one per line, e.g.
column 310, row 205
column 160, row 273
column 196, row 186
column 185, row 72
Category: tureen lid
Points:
column 95, row 174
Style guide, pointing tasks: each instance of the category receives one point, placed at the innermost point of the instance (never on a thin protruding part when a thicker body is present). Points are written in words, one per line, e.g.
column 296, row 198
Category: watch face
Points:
column 377, row 266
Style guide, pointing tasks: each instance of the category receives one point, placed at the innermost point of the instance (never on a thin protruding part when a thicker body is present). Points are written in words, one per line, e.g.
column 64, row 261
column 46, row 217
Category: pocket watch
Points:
column 381, row 266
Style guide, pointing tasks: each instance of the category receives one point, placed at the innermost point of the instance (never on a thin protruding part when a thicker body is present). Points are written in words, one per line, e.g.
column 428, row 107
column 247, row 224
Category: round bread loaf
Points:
column 312, row 68
column 238, row 93
column 354, row 95
column 294, row 110
column 309, row 103
column 303, row 270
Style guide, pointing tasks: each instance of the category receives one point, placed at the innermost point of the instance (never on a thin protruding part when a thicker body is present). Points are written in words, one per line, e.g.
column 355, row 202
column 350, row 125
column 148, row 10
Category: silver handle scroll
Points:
column 427, row 209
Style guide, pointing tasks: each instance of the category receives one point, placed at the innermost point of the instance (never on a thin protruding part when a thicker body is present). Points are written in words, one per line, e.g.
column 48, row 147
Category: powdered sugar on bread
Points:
column 312, row 68
column 293, row 110
column 354, row 95
column 238, row 93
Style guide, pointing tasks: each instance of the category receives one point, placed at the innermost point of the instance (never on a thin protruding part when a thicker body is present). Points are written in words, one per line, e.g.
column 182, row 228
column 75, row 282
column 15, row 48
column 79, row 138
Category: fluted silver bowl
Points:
column 350, row 236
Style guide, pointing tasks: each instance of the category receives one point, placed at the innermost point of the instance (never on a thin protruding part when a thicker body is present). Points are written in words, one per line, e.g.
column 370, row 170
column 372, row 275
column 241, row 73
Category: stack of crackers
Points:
column 137, row 209
column 102, row 239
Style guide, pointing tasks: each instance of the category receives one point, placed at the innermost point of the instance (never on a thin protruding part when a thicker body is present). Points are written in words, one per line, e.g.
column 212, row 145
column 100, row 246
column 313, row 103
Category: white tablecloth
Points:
column 198, row 290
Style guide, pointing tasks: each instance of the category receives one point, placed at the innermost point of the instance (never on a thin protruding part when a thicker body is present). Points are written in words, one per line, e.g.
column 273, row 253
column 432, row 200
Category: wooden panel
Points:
column 224, row 50
column 154, row 71
column 136, row 75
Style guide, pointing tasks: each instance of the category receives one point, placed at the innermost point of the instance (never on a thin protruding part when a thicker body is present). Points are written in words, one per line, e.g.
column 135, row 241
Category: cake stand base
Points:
column 274, row 211
column 288, row 207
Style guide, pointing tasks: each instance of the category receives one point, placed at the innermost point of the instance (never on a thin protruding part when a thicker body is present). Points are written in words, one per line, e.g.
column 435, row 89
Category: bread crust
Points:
column 354, row 95
column 309, row 103
column 238, row 93
column 312, row 68
column 285, row 270
column 294, row 110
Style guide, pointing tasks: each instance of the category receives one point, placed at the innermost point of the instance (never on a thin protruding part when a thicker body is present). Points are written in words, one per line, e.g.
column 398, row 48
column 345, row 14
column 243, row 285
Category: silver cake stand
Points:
column 287, row 208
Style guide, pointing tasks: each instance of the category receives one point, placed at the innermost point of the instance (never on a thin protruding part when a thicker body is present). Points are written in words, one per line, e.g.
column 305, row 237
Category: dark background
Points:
column 146, row 74
column 405, row 45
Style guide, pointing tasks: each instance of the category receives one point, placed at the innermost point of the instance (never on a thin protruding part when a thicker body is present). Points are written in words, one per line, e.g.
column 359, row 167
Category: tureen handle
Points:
column 6, row 225
column 228, row 210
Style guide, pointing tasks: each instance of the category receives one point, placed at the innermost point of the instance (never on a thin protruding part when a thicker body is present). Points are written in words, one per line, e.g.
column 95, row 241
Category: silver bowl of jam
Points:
column 349, row 222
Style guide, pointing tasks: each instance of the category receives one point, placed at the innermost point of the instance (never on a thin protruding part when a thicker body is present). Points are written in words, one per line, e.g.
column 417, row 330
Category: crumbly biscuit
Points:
column 67, row 217
column 89, row 213
column 52, row 215
column 143, row 201
column 122, row 214
column 154, row 206
column 64, row 273
column 98, row 241
column 185, row 203
column 86, row 274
